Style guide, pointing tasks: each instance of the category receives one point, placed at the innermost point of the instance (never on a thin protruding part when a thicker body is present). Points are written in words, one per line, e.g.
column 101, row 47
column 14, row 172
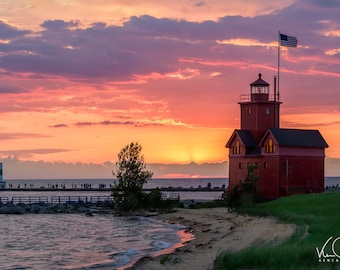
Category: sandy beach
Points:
column 215, row 230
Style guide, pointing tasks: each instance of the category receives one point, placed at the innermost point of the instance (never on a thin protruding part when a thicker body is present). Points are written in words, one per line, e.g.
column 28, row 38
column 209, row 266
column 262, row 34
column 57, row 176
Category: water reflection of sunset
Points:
column 185, row 237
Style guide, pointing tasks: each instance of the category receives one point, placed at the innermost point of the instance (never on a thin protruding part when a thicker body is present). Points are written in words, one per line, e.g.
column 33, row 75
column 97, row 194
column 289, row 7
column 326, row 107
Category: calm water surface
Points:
column 75, row 241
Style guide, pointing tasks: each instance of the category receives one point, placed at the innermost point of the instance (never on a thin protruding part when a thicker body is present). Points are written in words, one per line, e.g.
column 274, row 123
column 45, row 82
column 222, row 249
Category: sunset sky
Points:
column 80, row 79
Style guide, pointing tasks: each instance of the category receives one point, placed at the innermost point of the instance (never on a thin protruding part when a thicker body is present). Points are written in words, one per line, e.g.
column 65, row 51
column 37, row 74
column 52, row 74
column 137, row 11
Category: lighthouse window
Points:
column 270, row 147
column 248, row 110
column 267, row 110
column 237, row 148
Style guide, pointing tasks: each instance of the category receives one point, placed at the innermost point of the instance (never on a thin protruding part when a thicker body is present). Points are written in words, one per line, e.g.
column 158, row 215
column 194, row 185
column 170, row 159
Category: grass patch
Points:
column 169, row 259
column 317, row 217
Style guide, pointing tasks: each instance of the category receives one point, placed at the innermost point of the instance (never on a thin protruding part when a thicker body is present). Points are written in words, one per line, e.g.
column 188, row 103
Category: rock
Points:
column 94, row 209
column 45, row 208
column 82, row 209
column 19, row 210
column 89, row 214
column 188, row 203
column 12, row 210
column 34, row 209
column 6, row 210
column 64, row 208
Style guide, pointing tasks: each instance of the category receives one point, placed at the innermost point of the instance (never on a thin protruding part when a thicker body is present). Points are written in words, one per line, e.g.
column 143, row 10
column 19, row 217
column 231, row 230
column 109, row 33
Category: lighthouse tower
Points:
column 258, row 112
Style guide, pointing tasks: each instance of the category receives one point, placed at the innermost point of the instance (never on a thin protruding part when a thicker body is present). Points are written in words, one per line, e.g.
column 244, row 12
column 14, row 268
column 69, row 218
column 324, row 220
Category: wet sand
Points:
column 216, row 230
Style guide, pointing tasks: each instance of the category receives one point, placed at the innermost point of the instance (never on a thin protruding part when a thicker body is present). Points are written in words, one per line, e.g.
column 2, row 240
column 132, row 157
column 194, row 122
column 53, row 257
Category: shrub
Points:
column 245, row 192
column 154, row 198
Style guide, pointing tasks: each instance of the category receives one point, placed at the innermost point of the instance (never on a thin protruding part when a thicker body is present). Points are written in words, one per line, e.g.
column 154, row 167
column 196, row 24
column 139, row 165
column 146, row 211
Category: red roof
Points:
column 259, row 81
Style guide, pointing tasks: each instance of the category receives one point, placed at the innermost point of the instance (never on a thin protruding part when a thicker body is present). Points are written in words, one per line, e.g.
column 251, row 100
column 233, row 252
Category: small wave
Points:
column 119, row 260
column 123, row 258
column 159, row 245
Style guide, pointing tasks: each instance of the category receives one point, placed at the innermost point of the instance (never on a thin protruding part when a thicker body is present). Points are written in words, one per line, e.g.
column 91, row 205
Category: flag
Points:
column 288, row 41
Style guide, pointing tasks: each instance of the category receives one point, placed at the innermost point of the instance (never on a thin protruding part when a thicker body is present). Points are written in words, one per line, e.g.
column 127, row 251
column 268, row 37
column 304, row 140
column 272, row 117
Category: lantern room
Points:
column 259, row 90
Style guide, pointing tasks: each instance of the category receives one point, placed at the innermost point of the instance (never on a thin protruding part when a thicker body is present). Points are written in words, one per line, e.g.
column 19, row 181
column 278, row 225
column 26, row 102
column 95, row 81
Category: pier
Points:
column 55, row 199
column 173, row 189
column 82, row 193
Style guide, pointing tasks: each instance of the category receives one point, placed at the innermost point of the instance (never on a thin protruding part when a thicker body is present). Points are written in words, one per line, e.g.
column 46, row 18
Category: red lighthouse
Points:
column 290, row 161
column 258, row 112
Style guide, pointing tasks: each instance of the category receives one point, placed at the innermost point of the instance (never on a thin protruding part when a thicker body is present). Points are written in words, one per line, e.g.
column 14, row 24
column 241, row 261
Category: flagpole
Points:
column 278, row 68
column 287, row 41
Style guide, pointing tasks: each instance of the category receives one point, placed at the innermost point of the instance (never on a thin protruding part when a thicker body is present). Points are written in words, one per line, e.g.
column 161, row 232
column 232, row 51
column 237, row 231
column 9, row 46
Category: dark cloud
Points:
column 143, row 124
column 147, row 44
column 119, row 123
column 11, row 89
column 200, row 4
column 106, row 123
column 8, row 32
column 124, row 117
column 59, row 126
column 58, row 24
column 175, row 32
column 326, row 3
column 98, row 25
column 84, row 124
column 141, row 46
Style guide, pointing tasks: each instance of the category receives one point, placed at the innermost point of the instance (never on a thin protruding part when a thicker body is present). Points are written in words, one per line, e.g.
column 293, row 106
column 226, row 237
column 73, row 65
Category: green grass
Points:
column 317, row 217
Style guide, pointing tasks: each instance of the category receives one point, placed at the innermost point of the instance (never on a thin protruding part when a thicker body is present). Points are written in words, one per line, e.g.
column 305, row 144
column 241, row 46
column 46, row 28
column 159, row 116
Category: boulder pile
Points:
column 48, row 208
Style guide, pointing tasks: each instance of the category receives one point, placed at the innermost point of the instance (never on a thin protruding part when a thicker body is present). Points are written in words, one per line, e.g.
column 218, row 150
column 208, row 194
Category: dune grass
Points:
column 317, row 217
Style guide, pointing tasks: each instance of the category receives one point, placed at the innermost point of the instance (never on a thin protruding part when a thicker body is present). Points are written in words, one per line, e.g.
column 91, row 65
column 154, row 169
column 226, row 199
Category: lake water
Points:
column 76, row 241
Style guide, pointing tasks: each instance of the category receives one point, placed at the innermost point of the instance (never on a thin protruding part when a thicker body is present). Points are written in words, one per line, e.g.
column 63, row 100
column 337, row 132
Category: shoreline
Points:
column 207, row 233
column 215, row 231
